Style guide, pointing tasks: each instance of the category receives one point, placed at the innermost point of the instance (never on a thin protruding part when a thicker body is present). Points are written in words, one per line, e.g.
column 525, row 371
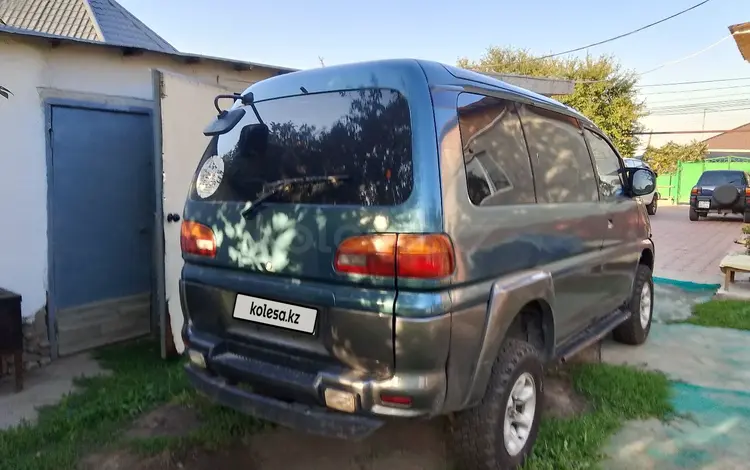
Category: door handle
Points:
column 171, row 217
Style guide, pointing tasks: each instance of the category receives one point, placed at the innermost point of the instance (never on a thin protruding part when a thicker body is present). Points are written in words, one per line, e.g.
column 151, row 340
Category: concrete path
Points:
column 45, row 386
column 711, row 393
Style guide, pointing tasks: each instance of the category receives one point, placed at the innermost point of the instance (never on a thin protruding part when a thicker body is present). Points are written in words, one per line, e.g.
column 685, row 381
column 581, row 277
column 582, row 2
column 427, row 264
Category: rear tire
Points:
column 481, row 437
column 651, row 208
column 635, row 330
column 693, row 215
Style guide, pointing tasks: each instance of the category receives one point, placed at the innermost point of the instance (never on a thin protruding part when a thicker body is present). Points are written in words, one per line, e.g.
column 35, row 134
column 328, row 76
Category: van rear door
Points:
column 274, row 198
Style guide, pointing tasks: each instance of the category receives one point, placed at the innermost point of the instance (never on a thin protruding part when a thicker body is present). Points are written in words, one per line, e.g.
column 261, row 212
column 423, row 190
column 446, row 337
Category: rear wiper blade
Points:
column 279, row 186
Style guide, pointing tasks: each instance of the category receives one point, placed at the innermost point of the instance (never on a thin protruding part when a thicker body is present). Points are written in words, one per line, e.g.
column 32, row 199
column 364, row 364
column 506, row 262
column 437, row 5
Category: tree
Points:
column 665, row 159
column 604, row 93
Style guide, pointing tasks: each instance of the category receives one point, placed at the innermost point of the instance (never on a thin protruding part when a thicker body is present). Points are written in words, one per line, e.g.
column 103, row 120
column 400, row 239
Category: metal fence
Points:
column 676, row 187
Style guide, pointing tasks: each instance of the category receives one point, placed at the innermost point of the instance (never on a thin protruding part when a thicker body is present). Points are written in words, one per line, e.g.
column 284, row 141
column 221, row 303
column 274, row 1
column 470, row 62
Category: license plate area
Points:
column 273, row 313
column 704, row 204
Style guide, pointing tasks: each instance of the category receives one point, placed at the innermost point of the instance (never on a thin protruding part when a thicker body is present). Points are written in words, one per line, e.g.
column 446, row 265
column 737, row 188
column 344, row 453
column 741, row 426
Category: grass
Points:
column 93, row 418
column 616, row 394
column 721, row 314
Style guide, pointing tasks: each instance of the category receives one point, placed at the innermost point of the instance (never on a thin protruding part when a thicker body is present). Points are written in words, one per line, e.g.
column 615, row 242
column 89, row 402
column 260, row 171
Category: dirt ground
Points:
column 410, row 445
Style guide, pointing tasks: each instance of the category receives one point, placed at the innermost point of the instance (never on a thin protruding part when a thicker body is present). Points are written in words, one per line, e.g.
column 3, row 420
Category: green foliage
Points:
column 96, row 415
column 722, row 314
column 607, row 95
column 615, row 394
column 665, row 159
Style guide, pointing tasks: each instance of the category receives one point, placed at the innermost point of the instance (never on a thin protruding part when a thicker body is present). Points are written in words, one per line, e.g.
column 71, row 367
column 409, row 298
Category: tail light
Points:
column 402, row 255
column 695, row 191
column 197, row 239
column 424, row 256
column 368, row 254
column 747, row 192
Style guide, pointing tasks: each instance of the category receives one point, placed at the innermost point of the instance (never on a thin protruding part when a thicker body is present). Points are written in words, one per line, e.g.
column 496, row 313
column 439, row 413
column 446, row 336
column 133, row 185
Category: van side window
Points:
column 607, row 165
column 498, row 171
column 563, row 171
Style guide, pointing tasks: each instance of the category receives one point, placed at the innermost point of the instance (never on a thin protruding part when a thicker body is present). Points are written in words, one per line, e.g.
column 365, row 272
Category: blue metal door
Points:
column 101, row 218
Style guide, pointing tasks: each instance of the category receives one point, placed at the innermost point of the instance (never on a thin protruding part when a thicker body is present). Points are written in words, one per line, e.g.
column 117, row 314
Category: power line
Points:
column 695, row 90
column 626, row 34
column 687, row 57
column 696, row 82
column 691, row 132
column 689, row 100
column 730, row 102
column 696, row 111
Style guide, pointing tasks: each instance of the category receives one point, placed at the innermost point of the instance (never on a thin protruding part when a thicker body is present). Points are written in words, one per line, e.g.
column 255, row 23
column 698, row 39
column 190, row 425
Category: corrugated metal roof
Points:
column 92, row 20
column 735, row 139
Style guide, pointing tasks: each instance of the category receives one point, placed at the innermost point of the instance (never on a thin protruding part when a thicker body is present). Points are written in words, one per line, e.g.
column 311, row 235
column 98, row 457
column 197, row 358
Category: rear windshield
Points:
column 362, row 135
column 715, row 178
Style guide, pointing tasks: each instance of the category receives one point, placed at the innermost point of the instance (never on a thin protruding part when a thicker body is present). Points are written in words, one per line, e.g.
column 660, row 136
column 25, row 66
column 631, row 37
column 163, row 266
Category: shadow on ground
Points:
column 400, row 445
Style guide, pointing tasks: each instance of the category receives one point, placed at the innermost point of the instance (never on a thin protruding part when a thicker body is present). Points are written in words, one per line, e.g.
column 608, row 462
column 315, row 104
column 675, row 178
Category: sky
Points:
column 296, row 33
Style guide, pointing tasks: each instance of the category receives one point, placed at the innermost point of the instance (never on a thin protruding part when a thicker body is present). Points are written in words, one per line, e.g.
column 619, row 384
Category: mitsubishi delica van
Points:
column 407, row 240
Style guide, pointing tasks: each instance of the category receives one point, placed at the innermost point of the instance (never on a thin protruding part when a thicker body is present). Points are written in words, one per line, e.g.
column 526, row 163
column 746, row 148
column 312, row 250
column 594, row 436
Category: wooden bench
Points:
column 732, row 264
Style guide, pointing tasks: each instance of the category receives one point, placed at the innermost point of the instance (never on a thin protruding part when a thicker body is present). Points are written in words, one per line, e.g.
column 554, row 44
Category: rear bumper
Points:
column 314, row 420
column 294, row 397
column 739, row 206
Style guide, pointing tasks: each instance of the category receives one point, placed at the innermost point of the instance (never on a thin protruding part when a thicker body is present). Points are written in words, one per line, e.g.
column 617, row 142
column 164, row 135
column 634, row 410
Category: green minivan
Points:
column 403, row 239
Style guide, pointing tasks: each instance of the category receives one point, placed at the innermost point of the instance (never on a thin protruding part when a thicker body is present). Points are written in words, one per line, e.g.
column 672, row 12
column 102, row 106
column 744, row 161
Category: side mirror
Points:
column 641, row 181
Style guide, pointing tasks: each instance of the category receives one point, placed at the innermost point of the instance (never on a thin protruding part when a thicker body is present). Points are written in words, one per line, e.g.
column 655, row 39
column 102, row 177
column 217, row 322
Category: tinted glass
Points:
column 607, row 164
column 364, row 135
column 562, row 166
column 634, row 163
column 716, row 178
column 498, row 171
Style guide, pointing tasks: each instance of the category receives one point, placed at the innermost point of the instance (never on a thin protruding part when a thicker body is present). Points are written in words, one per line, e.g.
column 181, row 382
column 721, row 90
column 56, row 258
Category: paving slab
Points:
column 691, row 251
column 43, row 386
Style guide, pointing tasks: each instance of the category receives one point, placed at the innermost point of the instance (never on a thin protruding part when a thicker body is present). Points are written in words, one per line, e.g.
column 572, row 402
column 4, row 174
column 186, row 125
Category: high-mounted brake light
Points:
column 197, row 239
column 417, row 256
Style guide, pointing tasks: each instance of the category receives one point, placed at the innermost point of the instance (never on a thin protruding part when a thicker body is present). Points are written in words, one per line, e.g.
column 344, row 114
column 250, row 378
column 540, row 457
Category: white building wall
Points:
column 34, row 71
